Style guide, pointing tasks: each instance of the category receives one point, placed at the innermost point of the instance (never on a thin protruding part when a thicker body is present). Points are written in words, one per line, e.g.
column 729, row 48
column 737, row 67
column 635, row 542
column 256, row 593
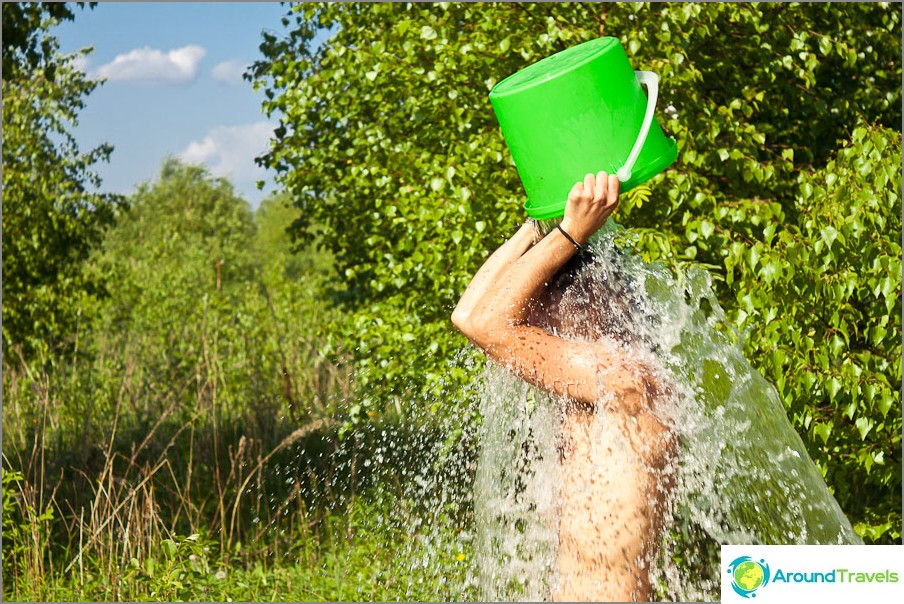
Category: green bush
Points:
column 51, row 219
column 199, row 364
column 819, row 298
column 205, row 305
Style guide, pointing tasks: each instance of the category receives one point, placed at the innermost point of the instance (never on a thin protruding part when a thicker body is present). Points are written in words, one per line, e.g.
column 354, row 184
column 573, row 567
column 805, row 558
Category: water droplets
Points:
column 741, row 474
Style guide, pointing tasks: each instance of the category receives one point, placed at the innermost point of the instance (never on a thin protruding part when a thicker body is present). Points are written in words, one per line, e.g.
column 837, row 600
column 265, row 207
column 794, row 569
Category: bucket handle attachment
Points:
column 652, row 82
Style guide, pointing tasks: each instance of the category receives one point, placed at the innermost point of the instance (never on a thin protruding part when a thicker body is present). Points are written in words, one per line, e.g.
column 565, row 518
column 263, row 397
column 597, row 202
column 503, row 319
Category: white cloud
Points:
column 229, row 151
column 229, row 72
column 177, row 66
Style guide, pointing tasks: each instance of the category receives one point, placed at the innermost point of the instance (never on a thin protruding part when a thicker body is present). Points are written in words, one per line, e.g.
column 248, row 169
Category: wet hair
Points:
column 571, row 270
column 591, row 297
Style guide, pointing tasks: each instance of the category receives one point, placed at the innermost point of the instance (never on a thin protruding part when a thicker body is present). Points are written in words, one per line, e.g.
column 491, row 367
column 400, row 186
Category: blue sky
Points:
column 174, row 87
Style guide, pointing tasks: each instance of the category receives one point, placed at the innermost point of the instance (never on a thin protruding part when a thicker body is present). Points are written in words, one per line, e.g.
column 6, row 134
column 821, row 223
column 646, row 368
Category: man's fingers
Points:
column 599, row 193
column 614, row 188
column 602, row 188
column 589, row 185
column 576, row 191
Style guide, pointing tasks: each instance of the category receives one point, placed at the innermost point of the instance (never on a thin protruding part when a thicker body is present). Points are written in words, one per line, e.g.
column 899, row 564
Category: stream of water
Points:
column 741, row 474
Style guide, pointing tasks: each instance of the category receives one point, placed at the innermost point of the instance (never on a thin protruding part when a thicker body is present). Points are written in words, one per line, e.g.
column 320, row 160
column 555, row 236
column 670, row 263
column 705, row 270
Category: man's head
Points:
column 589, row 299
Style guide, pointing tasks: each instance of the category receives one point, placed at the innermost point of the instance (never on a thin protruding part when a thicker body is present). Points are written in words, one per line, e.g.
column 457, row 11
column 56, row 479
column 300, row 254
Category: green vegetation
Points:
column 199, row 404
column 50, row 220
column 820, row 300
column 200, row 432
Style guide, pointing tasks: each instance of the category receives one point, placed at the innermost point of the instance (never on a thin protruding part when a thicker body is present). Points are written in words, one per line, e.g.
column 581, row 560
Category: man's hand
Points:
column 589, row 205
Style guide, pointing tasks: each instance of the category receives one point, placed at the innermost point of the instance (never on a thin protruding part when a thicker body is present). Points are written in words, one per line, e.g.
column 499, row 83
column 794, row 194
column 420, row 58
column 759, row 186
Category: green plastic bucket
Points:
column 577, row 112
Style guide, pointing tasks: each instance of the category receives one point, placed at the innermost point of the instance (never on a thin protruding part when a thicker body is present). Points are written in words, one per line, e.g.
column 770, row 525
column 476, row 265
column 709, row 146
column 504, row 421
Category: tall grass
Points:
column 202, row 502
column 93, row 480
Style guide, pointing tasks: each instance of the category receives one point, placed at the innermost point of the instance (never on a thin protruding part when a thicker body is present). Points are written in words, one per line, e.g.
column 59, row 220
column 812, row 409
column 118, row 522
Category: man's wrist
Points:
column 574, row 233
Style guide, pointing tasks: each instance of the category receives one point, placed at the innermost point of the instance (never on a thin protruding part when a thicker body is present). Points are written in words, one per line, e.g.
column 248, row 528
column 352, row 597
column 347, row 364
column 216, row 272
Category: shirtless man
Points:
column 611, row 495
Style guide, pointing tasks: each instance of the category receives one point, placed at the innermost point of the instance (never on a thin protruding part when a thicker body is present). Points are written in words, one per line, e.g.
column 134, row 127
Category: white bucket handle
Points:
column 652, row 82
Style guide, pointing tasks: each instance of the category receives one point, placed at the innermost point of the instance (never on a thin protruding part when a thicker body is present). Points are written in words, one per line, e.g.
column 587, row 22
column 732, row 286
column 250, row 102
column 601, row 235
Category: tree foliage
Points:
column 51, row 220
column 25, row 45
column 389, row 146
column 179, row 264
column 200, row 293
column 192, row 226
column 202, row 355
column 274, row 217
column 820, row 300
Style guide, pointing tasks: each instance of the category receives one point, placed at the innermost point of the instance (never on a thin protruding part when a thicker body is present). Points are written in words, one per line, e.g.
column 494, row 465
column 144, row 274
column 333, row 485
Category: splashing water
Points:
column 741, row 473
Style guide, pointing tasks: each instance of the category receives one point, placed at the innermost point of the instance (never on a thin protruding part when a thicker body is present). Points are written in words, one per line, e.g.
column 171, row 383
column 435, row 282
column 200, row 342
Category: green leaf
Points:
column 823, row 431
column 806, row 190
column 169, row 548
column 771, row 271
column 864, row 426
column 832, row 387
column 753, row 257
column 829, row 234
column 886, row 401
column 836, row 345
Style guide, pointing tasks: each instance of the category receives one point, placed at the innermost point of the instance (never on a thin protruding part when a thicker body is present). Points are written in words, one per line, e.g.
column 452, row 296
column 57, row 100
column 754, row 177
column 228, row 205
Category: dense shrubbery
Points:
column 51, row 221
column 201, row 358
column 820, row 300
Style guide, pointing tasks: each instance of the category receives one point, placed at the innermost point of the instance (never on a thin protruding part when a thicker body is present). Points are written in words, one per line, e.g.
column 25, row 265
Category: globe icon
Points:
column 748, row 575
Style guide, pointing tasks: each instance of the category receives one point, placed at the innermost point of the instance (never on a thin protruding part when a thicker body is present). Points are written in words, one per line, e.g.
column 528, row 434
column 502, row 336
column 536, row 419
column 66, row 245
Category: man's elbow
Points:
column 472, row 327
column 461, row 320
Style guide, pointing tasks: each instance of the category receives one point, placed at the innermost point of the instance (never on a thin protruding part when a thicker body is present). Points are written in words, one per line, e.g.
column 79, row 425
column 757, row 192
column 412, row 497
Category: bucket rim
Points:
column 525, row 78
